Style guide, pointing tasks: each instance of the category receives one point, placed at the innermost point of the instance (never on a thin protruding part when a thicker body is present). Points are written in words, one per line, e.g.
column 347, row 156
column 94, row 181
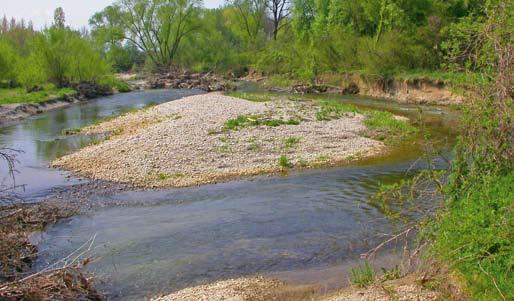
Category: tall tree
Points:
column 280, row 11
column 157, row 27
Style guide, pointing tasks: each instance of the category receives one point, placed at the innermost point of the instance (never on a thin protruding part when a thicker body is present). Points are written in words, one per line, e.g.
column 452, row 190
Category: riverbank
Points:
column 212, row 138
column 18, row 107
column 417, row 89
column 261, row 289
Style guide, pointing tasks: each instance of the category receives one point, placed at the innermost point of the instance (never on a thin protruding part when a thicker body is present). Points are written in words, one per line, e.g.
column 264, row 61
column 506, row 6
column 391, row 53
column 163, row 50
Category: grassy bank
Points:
column 21, row 95
column 475, row 236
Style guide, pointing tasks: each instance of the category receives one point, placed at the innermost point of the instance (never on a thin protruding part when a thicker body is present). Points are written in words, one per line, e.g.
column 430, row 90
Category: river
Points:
column 159, row 241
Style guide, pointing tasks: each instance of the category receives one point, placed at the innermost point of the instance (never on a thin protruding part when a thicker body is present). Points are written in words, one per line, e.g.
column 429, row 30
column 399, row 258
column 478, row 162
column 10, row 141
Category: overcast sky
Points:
column 77, row 11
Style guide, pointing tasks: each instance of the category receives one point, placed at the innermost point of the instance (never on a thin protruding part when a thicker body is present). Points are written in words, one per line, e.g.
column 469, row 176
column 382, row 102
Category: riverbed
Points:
column 160, row 241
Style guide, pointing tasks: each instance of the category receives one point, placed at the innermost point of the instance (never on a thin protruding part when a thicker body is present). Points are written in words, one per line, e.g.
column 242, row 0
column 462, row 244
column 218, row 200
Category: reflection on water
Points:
column 41, row 141
column 164, row 240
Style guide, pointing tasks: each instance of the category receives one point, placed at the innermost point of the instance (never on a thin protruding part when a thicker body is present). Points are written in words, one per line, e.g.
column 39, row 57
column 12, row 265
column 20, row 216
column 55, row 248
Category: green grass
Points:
column 475, row 235
column 252, row 96
column 283, row 161
column 384, row 126
column 363, row 275
column 291, row 142
column 165, row 176
column 243, row 121
column 20, row 95
column 334, row 109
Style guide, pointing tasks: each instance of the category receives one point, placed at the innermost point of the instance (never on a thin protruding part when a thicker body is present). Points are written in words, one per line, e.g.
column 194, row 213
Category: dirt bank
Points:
column 416, row 90
column 210, row 138
column 419, row 91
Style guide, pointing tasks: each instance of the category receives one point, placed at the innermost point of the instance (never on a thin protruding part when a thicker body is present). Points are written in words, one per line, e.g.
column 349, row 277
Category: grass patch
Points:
column 363, row 275
column 333, row 109
column 243, row 121
column 291, row 142
column 252, row 96
column 283, row 161
column 20, row 95
column 384, row 126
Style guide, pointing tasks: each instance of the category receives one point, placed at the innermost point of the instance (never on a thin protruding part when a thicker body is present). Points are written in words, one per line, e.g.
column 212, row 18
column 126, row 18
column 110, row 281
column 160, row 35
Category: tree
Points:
column 8, row 60
column 59, row 18
column 62, row 56
column 157, row 27
column 280, row 11
column 252, row 13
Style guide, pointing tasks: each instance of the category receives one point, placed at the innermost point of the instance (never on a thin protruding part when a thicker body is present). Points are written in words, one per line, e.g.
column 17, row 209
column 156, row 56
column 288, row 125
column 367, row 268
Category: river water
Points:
column 163, row 240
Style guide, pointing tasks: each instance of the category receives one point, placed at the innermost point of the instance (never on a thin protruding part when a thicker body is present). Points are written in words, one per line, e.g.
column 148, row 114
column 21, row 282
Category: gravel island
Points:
column 212, row 137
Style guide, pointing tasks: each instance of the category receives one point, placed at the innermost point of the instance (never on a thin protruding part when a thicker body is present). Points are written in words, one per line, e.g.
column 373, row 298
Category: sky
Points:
column 77, row 11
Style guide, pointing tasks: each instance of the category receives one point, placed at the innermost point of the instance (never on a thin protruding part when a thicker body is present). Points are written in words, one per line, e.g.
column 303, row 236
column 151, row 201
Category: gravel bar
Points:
column 185, row 142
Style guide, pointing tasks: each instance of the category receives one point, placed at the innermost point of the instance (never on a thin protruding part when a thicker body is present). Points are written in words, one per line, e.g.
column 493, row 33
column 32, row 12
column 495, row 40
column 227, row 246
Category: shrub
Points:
column 479, row 223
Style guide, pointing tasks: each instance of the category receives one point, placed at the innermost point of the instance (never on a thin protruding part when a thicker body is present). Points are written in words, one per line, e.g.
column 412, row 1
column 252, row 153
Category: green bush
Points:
column 475, row 234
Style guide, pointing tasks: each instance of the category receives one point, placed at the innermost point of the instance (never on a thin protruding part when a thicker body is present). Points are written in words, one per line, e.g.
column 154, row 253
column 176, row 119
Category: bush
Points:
column 475, row 235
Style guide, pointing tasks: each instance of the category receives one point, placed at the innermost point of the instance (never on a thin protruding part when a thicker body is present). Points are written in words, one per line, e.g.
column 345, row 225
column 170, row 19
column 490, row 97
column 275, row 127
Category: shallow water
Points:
column 41, row 140
column 164, row 240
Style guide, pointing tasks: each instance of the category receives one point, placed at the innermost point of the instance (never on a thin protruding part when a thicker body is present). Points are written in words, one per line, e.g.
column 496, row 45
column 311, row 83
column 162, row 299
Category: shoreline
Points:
column 186, row 142
column 12, row 113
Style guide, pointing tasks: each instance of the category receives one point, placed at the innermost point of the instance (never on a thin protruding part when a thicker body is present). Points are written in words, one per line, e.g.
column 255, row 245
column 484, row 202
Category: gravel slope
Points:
column 185, row 143
column 264, row 289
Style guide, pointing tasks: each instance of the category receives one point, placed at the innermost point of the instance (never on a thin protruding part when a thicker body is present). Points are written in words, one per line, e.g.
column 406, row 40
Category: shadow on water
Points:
column 164, row 240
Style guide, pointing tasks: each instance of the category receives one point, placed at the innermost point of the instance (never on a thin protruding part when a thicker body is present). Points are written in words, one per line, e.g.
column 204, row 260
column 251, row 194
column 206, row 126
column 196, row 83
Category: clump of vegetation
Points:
column 255, row 96
column 363, row 275
column 477, row 222
column 333, row 109
column 71, row 131
column 391, row 274
column 284, row 162
column 384, row 125
column 243, row 121
column 291, row 142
